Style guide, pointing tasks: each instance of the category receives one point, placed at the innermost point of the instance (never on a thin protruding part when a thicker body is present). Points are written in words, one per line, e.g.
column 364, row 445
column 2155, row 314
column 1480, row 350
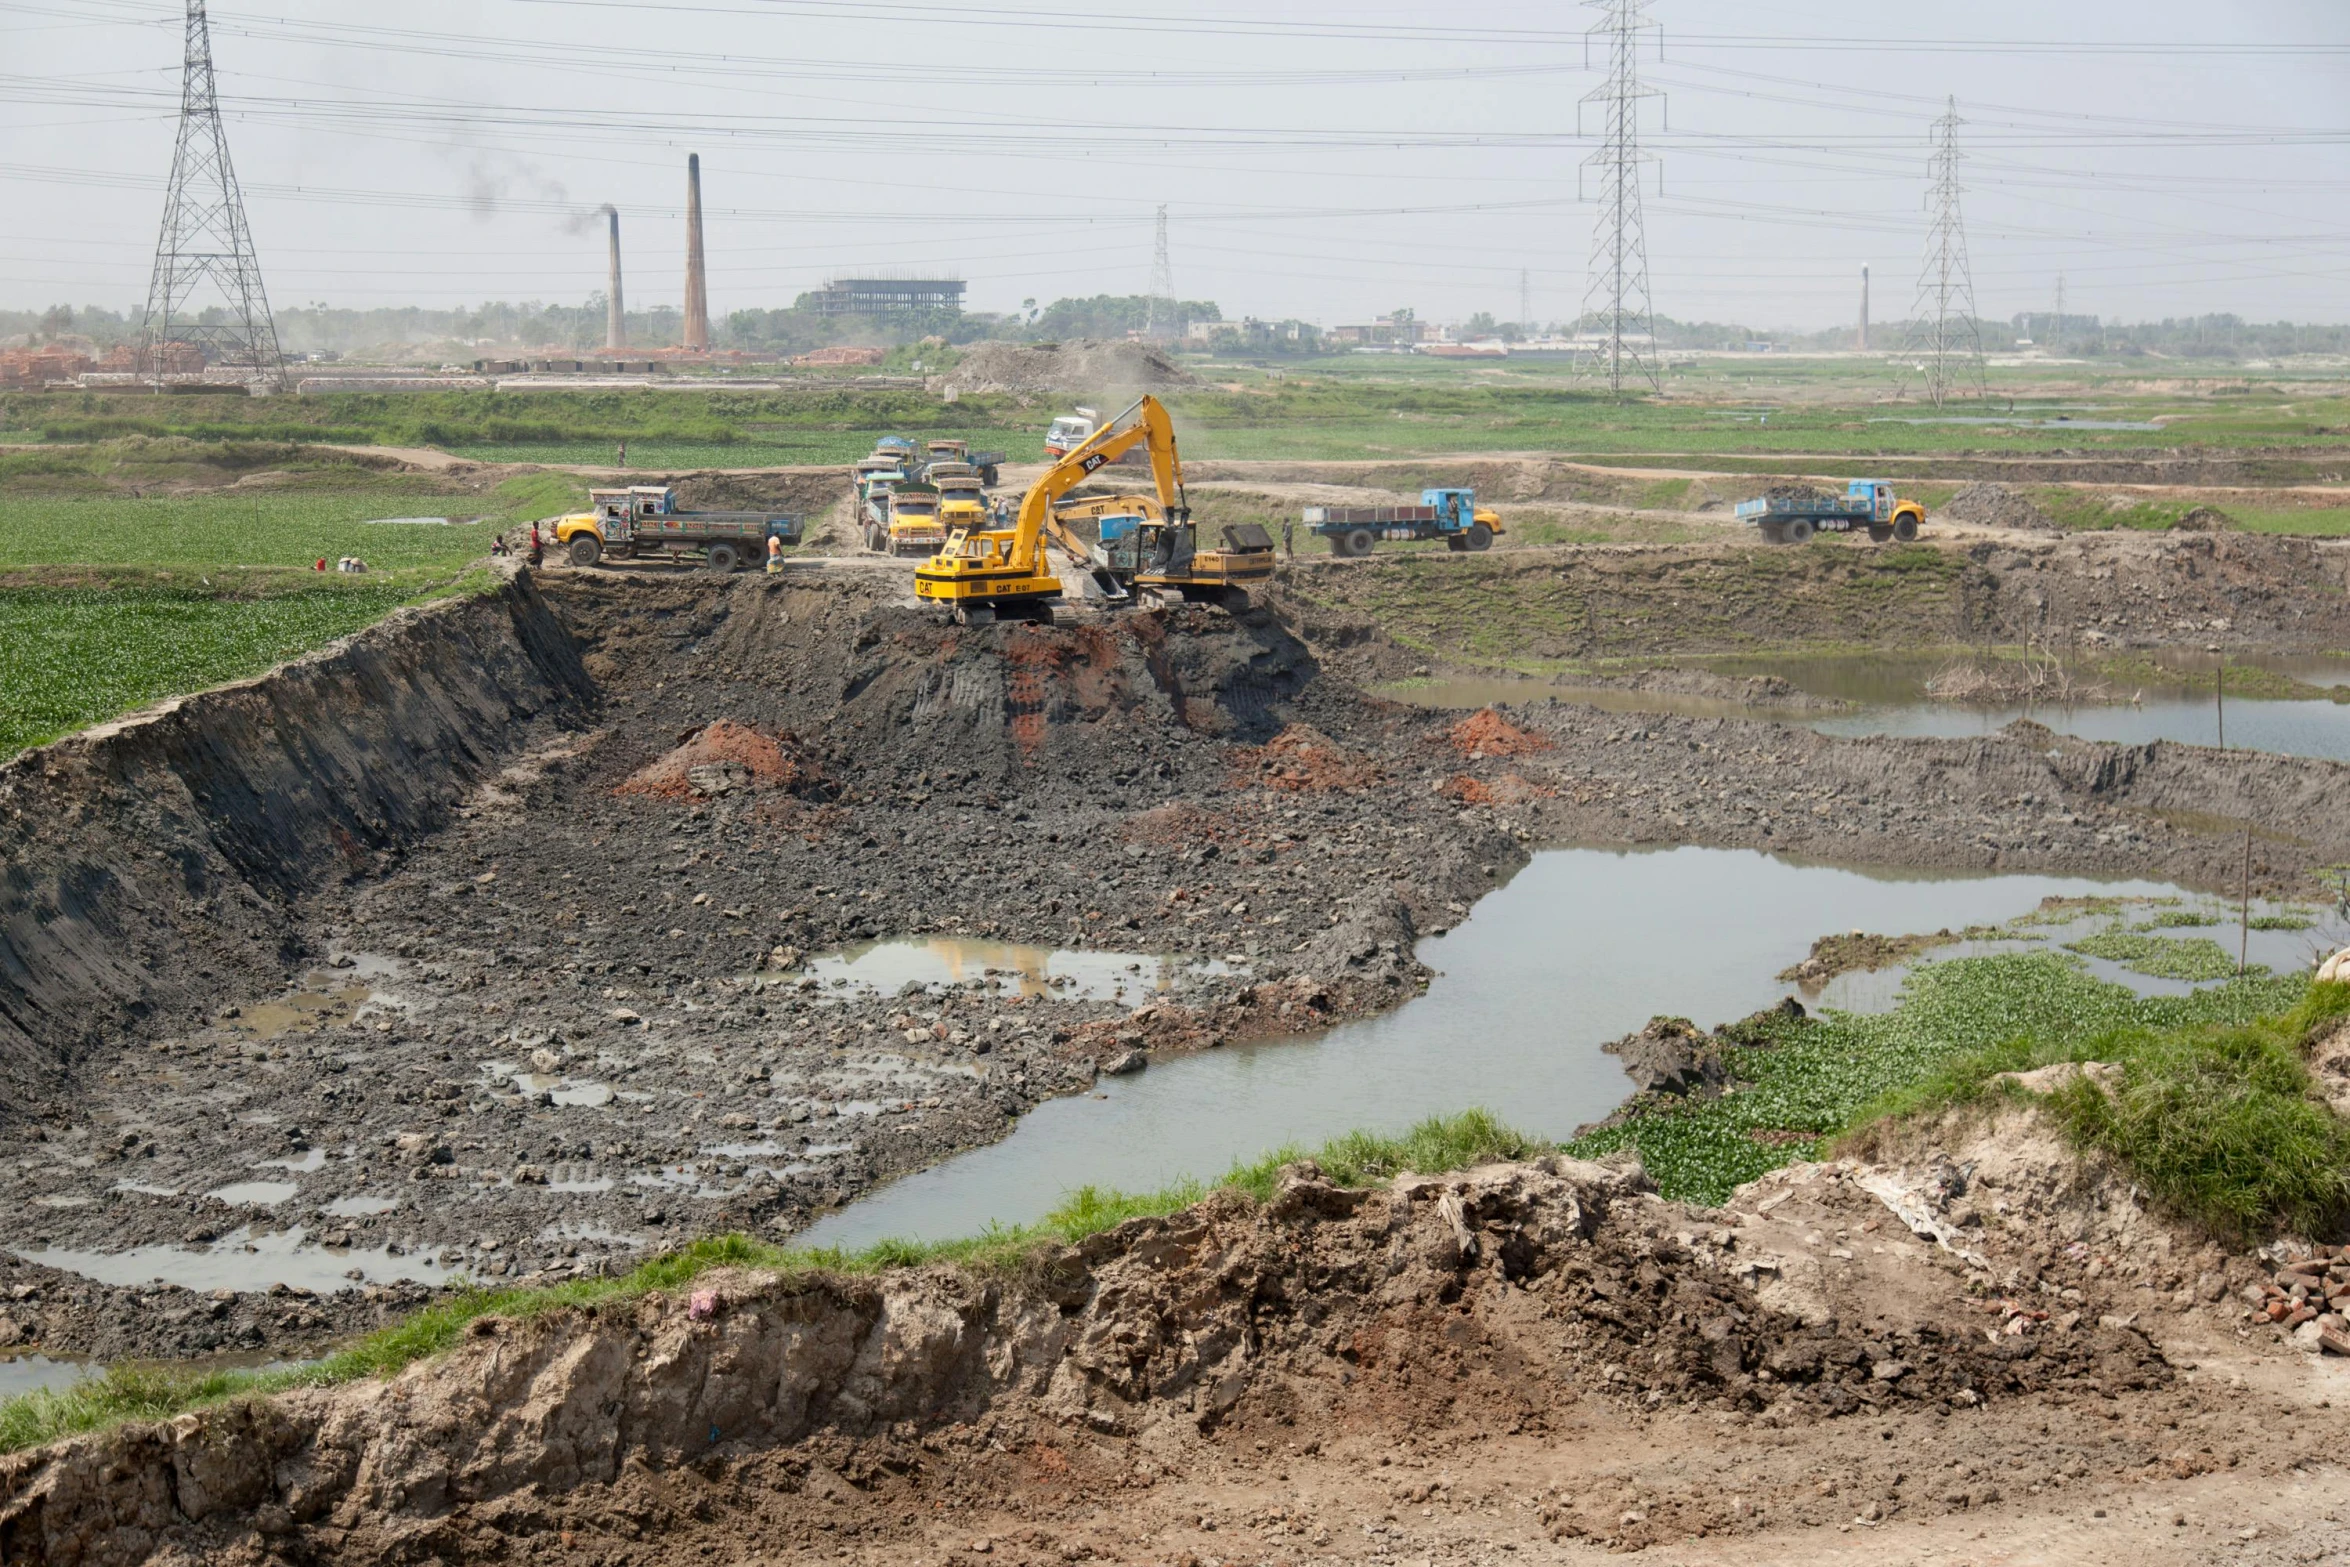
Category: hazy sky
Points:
column 1318, row 159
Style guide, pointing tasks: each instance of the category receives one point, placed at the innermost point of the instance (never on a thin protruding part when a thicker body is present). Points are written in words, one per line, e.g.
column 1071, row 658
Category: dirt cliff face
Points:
column 152, row 863
column 1501, row 1299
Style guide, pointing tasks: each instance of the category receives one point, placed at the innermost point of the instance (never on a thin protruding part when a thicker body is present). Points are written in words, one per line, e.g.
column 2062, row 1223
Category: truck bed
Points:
column 1366, row 516
column 1765, row 509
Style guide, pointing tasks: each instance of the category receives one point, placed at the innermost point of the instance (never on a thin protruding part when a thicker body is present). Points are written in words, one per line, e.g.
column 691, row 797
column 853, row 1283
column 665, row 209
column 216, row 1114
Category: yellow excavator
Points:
column 988, row 574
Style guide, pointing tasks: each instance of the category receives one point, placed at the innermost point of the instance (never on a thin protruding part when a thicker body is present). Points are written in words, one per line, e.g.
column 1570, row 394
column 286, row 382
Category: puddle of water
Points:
column 308, row 1162
column 361, row 1207
column 584, row 1093
column 602, row 1183
column 280, row 1258
column 257, row 1194
column 145, row 1190
column 299, row 1011
column 1583, row 946
column 1889, row 692
column 2313, row 729
column 886, row 967
column 2023, row 422
column 21, row 1374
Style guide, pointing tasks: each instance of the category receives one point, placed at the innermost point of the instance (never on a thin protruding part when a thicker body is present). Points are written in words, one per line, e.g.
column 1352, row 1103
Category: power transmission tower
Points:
column 1525, row 302
column 1945, row 331
column 2056, row 327
column 1617, row 298
column 1162, row 305
column 205, row 248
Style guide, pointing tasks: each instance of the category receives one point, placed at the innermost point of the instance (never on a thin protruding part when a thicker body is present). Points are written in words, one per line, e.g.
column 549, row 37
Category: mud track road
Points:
column 583, row 831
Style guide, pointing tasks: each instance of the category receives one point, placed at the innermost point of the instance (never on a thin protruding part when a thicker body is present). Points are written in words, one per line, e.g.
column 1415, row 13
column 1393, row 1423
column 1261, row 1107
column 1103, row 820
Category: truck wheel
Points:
column 1455, row 543
column 1879, row 532
column 989, row 477
column 1799, row 531
column 724, row 557
column 586, row 549
column 1357, row 543
column 1905, row 529
column 1480, row 536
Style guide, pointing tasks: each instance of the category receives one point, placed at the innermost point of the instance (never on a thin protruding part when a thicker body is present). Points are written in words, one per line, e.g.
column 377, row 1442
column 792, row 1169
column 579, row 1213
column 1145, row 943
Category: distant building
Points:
column 1249, row 332
column 884, row 296
column 1401, row 329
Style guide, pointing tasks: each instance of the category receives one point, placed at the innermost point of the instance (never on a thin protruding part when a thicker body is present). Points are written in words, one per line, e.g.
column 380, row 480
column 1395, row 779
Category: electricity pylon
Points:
column 205, row 248
column 1617, row 297
column 1946, row 342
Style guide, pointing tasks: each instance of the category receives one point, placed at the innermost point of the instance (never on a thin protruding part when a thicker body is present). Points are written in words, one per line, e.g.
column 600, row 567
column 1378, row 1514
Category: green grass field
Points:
column 114, row 601
column 76, row 657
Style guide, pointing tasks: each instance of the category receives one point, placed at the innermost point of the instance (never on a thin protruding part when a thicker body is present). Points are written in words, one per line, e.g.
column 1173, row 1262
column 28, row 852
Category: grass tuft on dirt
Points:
column 2215, row 1118
column 1801, row 1083
column 135, row 1392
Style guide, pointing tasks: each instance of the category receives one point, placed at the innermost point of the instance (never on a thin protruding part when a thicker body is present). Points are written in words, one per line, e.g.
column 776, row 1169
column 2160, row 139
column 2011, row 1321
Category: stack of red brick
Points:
column 37, row 367
column 2311, row 1290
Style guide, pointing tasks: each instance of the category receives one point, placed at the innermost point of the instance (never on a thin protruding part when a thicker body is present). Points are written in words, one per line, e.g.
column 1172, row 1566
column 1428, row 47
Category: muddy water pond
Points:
column 1885, row 695
column 943, row 962
column 1581, row 947
column 20, row 1374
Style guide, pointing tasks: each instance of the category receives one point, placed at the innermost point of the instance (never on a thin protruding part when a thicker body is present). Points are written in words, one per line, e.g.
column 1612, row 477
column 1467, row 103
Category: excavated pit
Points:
column 486, row 941
column 480, row 943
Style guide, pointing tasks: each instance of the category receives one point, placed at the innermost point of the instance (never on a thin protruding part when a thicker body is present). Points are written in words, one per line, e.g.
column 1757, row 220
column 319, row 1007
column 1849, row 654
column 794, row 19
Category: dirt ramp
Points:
column 151, row 863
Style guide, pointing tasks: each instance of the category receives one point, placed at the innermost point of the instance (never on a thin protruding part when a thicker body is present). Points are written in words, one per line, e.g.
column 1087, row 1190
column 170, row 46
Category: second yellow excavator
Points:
column 987, row 574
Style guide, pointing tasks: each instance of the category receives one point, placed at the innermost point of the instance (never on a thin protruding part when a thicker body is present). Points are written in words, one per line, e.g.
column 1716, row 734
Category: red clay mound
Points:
column 1486, row 733
column 725, row 758
column 1508, row 789
column 1304, row 760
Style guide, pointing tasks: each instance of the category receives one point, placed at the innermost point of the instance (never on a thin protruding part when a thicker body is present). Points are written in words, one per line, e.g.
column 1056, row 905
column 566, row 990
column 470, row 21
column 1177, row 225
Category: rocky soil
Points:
column 575, row 1011
column 1970, row 1346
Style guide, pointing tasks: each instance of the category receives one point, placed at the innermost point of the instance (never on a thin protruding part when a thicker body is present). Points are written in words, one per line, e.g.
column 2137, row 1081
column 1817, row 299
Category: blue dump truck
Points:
column 1792, row 516
column 1451, row 515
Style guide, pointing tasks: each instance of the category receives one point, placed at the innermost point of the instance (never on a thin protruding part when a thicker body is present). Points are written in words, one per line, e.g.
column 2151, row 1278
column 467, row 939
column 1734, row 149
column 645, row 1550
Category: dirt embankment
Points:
column 1381, row 617
column 155, row 863
column 1974, row 1339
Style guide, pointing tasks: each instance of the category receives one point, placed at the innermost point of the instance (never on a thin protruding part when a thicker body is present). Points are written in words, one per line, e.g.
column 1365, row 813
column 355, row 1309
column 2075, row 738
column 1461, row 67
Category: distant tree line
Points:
column 319, row 328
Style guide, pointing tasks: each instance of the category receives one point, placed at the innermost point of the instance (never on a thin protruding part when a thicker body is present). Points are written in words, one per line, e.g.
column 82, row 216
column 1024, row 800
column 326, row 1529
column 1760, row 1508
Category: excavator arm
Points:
column 1145, row 424
column 988, row 569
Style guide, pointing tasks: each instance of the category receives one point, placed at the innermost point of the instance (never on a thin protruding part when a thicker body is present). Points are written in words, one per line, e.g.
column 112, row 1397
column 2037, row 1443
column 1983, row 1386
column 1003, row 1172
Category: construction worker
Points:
column 774, row 554
column 1289, row 537
column 538, row 548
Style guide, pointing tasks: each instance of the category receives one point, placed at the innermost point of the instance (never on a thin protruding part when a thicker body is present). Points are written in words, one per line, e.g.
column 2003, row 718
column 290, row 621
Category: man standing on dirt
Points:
column 1289, row 537
column 774, row 554
column 538, row 547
